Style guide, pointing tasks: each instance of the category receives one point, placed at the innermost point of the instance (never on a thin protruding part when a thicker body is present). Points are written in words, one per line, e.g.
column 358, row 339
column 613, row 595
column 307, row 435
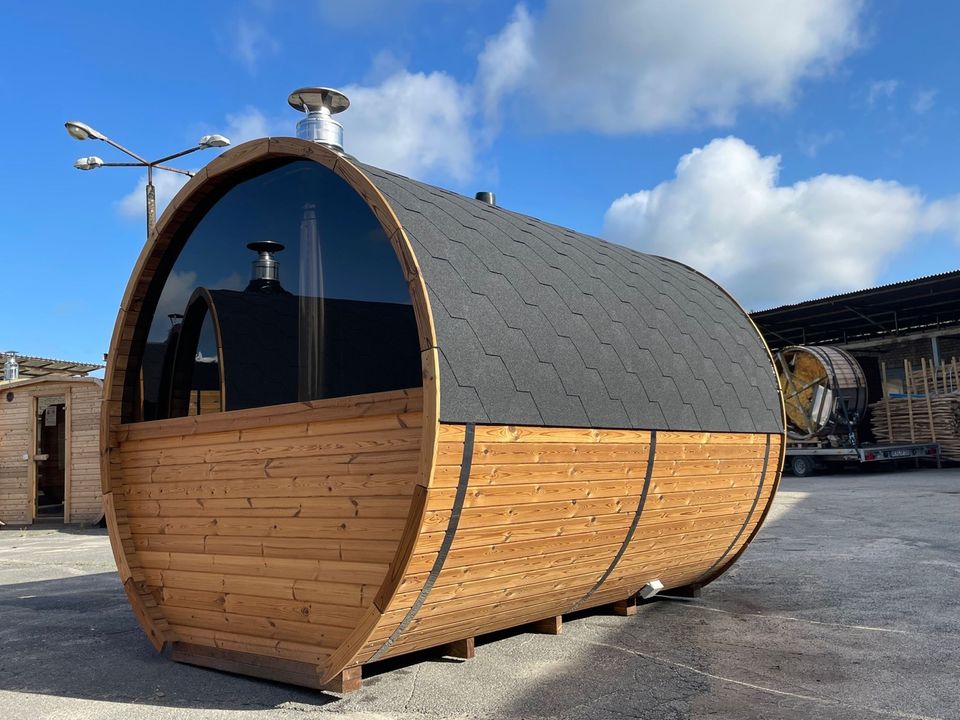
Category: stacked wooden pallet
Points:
column 929, row 410
column 931, row 418
column 942, row 379
column 920, row 418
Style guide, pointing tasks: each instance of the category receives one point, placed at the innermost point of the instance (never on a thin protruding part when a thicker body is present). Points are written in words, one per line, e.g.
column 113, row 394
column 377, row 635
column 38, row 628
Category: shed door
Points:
column 51, row 457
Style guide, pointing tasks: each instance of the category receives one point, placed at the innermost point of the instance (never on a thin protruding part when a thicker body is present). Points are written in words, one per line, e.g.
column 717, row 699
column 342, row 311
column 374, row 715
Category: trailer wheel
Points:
column 801, row 466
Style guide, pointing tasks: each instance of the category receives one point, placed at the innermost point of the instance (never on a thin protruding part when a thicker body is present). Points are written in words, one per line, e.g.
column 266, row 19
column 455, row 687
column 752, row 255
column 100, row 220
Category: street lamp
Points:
column 82, row 131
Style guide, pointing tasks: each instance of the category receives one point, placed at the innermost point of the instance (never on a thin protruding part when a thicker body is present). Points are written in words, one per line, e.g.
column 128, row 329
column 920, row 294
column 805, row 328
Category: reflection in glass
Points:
column 223, row 337
column 311, row 307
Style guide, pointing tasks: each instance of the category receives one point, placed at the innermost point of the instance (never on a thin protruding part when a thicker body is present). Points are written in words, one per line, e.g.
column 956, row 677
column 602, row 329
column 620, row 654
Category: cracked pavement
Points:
column 845, row 606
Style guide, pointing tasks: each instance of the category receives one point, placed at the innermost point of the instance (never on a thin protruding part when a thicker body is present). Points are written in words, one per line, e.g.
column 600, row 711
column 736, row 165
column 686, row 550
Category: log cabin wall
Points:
column 82, row 501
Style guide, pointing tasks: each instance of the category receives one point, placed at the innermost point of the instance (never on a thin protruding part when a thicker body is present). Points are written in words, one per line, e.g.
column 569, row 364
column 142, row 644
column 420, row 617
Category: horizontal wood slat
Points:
column 546, row 509
column 264, row 532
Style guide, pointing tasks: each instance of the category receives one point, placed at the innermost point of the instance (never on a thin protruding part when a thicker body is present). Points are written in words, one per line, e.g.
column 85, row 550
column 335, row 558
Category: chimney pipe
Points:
column 266, row 270
column 487, row 197
column 320, row 104
column 11, row 369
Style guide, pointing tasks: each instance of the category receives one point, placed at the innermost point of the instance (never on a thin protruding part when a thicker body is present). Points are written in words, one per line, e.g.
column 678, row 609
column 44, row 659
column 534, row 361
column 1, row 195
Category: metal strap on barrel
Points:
column 448, row 536
column 746, row 520
column 633, row 525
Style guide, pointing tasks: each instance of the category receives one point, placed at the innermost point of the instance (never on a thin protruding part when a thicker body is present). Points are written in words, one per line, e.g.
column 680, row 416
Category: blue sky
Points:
column 790, row 150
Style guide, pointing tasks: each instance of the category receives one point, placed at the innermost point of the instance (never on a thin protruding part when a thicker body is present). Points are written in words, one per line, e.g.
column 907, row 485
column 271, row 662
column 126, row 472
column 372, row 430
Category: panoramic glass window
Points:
column 287, row 290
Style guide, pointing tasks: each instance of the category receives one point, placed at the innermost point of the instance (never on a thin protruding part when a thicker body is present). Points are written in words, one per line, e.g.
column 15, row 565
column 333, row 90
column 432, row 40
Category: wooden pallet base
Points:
column 625, row 608
column 687, row 591
column 548, row 626
column 279, row 670
column 462, row 649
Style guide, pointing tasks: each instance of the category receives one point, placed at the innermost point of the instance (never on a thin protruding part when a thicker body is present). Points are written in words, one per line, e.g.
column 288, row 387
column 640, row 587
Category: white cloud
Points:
column 639, row 65
column 173, row 299
column 506, row 59
column 923, row 101
column 250, row 42
column 416, row 124
column 165, row 184
column 725, row 214
column 250, row 124
column 413, row 123
column 645, row 65
column 881, row 90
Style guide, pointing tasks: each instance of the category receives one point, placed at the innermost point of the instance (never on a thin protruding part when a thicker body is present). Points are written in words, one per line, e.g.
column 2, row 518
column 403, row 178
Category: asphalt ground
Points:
column 845, row 606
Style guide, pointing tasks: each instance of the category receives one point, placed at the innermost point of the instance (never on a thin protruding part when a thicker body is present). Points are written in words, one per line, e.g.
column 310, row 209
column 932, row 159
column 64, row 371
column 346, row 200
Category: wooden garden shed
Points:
column 431, row 418
column 50, row 450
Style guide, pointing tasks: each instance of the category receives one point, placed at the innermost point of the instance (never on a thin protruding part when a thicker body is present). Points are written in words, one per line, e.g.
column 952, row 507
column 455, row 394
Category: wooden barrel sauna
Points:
column 425, row 419
column 824, row 390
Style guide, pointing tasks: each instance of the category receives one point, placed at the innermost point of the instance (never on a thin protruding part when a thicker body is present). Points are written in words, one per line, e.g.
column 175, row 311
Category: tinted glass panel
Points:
column 287, row 289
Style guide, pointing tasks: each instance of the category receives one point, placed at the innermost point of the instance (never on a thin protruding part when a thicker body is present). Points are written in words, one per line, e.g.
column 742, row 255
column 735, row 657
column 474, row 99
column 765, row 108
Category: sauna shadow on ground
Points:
column 76, row 637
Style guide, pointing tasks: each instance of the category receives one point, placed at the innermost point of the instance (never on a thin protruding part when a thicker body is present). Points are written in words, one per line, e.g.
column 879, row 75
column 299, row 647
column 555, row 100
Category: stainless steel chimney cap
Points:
column 315, row 98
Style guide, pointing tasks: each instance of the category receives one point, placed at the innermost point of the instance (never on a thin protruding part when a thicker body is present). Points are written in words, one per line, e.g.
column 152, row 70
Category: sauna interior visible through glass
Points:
column 322, row 312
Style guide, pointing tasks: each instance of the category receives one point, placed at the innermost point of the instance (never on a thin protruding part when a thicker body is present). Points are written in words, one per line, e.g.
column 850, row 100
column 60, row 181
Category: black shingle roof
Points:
column 539, row 325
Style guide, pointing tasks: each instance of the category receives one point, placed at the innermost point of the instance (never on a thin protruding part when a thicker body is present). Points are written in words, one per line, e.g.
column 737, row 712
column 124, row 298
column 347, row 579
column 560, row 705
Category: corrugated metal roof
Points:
column 858, row 293
column 31, row 366
column 926, row 304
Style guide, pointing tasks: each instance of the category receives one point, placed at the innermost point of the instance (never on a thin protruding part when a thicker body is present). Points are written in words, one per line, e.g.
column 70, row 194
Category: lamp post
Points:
column 82, row 131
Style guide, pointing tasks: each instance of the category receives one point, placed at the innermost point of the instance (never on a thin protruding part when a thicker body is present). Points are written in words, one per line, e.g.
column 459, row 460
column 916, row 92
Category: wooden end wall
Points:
column 265, row 531
column 17, row 437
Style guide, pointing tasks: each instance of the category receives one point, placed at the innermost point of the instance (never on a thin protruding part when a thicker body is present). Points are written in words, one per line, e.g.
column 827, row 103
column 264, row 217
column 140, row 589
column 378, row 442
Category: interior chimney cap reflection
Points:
column 265, row 277
column 267, row 246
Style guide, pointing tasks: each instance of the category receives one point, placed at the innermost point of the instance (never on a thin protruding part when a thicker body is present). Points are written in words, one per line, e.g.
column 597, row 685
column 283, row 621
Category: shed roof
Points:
column 38, row 367
column 539, row 325
column 880, row 313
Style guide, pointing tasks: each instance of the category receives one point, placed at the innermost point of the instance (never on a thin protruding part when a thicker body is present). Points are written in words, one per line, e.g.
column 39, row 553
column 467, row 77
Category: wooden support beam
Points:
column 349, row 680
column 926, row 396
column 687, row 591
column 462, row 649
column 886, row 396
column 908, row 374
column 626, row 607
column 548, row 626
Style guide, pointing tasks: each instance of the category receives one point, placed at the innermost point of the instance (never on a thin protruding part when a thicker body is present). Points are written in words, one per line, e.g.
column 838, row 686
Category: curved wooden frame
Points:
column 406, row 614
column 215, row 177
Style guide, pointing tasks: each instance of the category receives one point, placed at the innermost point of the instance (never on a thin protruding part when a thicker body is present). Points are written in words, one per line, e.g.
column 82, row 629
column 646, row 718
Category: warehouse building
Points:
column 910, row 328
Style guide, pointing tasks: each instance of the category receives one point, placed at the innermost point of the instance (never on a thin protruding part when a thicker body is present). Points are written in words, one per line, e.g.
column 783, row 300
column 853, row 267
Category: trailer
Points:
column 805, row 459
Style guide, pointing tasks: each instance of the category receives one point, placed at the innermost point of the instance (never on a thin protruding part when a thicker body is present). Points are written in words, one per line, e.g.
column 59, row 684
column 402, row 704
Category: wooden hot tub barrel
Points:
column 536, row 422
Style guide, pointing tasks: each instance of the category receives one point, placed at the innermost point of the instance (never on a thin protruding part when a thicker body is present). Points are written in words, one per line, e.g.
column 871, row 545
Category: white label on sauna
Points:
column 50, row 416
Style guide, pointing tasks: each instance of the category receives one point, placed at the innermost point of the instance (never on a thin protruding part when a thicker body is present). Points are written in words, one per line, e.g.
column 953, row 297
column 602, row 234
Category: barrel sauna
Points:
column 423, row 419
column 824, row 391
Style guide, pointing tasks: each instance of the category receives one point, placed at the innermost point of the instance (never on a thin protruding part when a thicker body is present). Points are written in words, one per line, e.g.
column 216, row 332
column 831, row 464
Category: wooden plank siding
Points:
column 82, row 500
column 267, row 531
column 545, row 512
column 274, row 533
